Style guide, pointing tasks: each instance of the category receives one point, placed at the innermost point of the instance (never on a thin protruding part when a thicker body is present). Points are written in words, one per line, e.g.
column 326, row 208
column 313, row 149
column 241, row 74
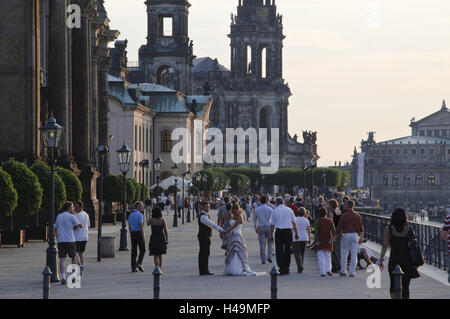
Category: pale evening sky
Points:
column 353, row 66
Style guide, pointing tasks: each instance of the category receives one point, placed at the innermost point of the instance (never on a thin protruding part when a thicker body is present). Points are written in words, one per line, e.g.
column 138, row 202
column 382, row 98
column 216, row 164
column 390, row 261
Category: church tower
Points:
column 256, row 67
column 167, row 58
column 257, row 41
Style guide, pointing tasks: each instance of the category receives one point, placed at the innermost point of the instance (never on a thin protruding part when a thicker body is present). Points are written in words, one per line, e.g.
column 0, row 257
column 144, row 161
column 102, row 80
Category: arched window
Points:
column 249, row 61
column 166, row 141
column 165, row 76
column 419, row 180
column 407, row 181
column 264, row 63
column 385, row 180
column 431, row 180
column 263, row 118
column 395, row 181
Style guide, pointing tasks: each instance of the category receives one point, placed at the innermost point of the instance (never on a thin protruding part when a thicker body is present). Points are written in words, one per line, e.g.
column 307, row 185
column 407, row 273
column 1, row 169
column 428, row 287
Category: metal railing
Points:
column 434, row 249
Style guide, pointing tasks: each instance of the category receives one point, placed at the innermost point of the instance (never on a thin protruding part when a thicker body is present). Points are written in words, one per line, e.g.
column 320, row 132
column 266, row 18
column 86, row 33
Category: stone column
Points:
column 82, row 110
column 58, row 76
column 103, row 119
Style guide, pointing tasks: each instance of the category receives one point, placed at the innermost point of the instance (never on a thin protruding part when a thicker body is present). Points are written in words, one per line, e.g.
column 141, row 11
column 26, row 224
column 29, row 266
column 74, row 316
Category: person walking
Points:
column 444, row 236
column 261, row 221
column 205, row 226
column 283, row 220
column 304, row 237
column 159, row 237
column 65, row 225
column 351, row 228
column 81, row 233
column 397, row 236
column 325, row 230
column 137, row 234
column 335, row 214
column 148, row 207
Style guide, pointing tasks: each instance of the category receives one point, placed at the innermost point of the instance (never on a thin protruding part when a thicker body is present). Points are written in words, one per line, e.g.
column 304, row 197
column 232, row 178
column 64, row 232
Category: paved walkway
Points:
column 20, row 274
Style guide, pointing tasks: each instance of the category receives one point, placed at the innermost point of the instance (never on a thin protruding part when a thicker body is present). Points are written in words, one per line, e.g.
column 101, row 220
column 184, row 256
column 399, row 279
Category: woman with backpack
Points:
column 399, row 236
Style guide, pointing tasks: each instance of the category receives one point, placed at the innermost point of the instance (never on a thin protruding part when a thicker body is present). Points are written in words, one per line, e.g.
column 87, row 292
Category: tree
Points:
column 9, row 197
column 239, row 183
column 157, row 191
column 112, row 188
column 137, row 191
column 131, row 191
column 42, row 171
column 171, row 190
column 74, row 189
column 27, row 185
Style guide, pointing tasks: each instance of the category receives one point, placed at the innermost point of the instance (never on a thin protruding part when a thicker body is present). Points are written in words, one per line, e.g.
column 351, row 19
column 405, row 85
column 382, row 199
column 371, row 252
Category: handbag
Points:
column 415, row 250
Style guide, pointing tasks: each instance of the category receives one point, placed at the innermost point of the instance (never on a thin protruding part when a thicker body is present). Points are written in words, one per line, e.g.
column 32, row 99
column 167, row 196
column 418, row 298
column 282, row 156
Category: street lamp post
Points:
column 124, row 162
column 305, row 168
column 189, row 202
column 102, row 151
column 312, row 166
column 51, row 135
column 175, row 171
column 157, row 168
column 144, row 164
column 186, row 175
column 197, row 177
column 263, row 177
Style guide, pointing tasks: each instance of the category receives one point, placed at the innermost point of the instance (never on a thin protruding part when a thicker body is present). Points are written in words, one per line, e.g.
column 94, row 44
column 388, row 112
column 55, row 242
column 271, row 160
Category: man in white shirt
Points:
column 81, row 234
column 65, row 224
column 261, row 221
column 283, row 220
column 304, row 237
column 204, row 237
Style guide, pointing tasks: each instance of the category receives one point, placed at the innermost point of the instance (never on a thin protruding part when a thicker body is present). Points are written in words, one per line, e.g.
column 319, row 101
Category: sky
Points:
column 353, row 66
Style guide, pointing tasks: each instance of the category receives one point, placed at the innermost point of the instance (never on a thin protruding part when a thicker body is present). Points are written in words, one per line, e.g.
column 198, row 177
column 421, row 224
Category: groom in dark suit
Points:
column 205, row 226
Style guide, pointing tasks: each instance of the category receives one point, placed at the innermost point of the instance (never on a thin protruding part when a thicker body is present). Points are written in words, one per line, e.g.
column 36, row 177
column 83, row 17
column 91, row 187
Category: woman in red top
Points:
column 325, row 232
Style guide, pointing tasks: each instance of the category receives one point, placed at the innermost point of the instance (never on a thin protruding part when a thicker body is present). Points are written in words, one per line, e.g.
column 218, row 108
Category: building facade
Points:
column 411, row 172
column 252, row 94
column 49, row 67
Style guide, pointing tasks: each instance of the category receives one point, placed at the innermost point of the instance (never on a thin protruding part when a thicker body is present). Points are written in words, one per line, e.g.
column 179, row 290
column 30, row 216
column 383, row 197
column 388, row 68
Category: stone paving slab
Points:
column 20, row 274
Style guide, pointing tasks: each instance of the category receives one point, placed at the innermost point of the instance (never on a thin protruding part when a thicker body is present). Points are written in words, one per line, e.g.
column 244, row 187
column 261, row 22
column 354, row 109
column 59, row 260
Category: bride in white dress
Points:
column 236, row 262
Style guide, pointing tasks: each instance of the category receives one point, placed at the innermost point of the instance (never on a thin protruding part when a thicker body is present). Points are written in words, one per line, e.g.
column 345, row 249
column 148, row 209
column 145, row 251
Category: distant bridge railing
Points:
column 434, row 249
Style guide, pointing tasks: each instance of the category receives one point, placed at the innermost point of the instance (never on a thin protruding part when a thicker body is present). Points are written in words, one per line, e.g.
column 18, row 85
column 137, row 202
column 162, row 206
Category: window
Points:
column 431, row 151
column 165, row 26
column 444, row 133
column 407, row 181
column 390, row 152
column 431, row 180
column 436, row 132
column 249, row 60
column 264, row 63
column 385, row 180
column 140, row 138
column 413, row 152
column 405, row 152
column 422, row 133
column 397, row 151
column 419, row 180
column 147, row 139
column 422, row 152
column 166, row 141
column 395, row 181
column 429, row 133
column 135, row 137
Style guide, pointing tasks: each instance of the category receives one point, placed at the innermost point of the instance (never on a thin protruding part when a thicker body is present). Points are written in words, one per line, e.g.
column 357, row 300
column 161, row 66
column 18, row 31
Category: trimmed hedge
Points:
column 155, row 191
column 74, row 189
column 131, row 191
column 9, row 197
column 171, row 190
column 112, row 188
column 42, row 171
column 27, row 185
column 239, row 183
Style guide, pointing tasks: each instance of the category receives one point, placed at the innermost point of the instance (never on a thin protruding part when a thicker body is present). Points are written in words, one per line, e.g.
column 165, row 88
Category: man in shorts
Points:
column 65, row 225
column 81, row 234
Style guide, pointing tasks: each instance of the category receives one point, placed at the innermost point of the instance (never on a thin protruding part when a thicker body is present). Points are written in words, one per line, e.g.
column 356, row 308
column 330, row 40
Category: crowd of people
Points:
column 285, row 225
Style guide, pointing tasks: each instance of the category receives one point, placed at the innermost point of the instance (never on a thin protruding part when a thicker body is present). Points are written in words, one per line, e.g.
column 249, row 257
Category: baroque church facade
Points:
column 252, row 94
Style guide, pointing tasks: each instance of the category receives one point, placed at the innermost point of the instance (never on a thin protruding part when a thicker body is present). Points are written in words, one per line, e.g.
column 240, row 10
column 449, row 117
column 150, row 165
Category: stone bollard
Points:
column 398, row 273
column 47, row 274
column 108, row 247
column 273, row 287
column 156, row 282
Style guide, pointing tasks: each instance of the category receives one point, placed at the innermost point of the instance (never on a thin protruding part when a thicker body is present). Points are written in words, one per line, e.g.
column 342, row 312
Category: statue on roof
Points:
column 444, row 107
column 206, row 88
